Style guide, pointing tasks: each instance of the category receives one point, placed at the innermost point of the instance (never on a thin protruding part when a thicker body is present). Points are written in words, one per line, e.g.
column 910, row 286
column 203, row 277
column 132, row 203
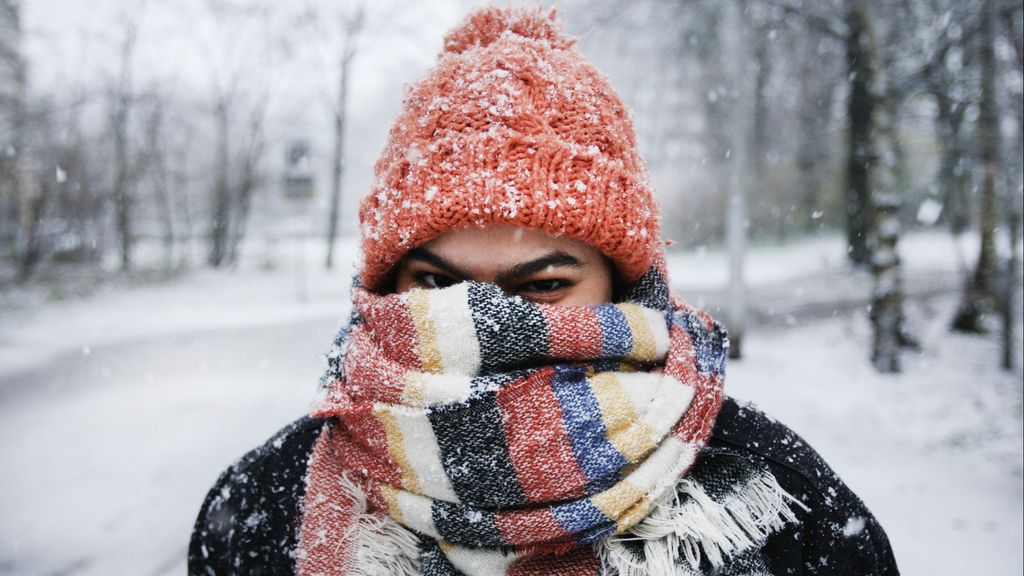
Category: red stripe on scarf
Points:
column 539, row 525
column 361, row 438
column 327, row 514
column 373, row 369
column 696, row 424
column 538, row 450
column 402, row 341
column 574, row 333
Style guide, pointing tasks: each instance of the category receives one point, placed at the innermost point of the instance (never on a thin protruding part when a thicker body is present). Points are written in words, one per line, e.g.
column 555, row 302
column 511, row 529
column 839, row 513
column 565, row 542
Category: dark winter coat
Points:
column 249, row 522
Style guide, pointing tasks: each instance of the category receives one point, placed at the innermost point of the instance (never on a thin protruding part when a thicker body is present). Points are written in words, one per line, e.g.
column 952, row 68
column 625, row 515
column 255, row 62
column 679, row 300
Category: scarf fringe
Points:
column 382, row 547
column 701, row 527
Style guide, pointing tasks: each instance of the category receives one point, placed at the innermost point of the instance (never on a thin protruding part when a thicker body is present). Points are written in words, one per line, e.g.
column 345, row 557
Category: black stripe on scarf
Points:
column 474, row 452
column 457, row 523
column 512, row 331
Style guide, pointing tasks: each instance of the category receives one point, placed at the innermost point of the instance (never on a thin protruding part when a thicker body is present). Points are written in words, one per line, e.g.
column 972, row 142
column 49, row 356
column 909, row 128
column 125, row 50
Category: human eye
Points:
column 433, row 280
column 546, row 285
column 545, row 289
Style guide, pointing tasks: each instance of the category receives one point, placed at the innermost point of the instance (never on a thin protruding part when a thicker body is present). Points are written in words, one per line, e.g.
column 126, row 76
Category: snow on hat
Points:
column 512, row 127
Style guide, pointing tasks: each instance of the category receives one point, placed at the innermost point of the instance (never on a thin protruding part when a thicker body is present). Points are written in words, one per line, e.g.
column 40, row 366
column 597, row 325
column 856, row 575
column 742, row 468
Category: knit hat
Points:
column 512, row 127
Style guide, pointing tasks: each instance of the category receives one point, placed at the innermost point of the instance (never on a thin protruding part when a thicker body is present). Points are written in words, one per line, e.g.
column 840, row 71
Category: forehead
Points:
column 496, row 245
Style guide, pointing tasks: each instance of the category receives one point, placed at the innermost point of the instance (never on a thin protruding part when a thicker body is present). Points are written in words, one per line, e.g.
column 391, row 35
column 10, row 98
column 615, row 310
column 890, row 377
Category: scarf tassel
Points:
column 381, row 546
column 674, row 531
column 702, row 526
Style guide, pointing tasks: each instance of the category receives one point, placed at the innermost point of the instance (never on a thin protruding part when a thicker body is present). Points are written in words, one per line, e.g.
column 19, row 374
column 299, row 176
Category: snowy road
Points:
column 108, row 452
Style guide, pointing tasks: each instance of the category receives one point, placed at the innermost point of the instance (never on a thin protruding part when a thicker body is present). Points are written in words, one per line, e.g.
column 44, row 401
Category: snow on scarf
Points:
column 512, row 437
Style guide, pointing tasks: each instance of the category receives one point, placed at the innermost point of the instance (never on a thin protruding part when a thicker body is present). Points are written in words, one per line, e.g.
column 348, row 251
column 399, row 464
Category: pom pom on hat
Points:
column 511, row 128
column 485, row 26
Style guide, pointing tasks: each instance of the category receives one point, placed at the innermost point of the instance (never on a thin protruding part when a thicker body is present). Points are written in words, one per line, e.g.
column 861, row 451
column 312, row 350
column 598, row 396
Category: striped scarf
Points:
column 471, row 432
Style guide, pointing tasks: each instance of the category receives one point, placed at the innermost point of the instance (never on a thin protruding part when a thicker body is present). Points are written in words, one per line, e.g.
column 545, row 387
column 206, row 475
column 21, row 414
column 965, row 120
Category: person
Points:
column 518, row 391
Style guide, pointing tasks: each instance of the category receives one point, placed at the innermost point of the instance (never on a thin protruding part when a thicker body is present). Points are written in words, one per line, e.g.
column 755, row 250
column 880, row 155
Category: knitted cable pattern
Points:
column 512, row 127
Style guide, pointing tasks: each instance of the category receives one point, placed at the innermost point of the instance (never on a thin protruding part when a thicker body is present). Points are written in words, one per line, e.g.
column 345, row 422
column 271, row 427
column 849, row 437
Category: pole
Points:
column 738, row 62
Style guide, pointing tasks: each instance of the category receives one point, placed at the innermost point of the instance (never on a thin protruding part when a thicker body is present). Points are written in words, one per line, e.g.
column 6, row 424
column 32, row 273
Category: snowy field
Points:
column 118, row 410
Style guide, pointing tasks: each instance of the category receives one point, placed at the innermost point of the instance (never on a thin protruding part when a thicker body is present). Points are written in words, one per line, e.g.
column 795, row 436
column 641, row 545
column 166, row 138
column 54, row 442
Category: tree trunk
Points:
column 952, row 167
column 158, row 169
column 1011, row 297
column 887, row 301
column 860, row 109
column 248, row 181
column 338, row 158
column 121, row 101
column 980, row 292
column 183, row 206
column 221, row 216
column 122, row 196
column 32, row 245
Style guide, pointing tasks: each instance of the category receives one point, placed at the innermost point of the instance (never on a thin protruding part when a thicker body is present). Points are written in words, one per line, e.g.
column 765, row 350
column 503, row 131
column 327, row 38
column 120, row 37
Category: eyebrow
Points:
column 423, row 255
column 552, row 259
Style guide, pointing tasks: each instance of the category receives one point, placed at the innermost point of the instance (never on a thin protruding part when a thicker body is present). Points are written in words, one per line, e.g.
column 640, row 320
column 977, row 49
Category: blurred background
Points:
column 841, row 181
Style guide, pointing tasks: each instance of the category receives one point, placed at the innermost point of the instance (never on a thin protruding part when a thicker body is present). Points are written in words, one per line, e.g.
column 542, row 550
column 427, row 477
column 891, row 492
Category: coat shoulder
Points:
column 837, row 534
column 247, row 523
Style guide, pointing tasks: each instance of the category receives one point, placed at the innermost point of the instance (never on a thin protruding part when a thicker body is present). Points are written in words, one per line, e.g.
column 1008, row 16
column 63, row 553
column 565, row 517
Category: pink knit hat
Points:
column 512, row 127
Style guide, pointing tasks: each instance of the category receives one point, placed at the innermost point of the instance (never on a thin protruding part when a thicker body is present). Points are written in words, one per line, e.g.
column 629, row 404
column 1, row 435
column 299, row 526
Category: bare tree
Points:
column 236, row 165
column 860, row 112
column 248, row 175
column 156, row 166
column 121, row 103
column 352, row 27
column 221, row 214
column 853, row 30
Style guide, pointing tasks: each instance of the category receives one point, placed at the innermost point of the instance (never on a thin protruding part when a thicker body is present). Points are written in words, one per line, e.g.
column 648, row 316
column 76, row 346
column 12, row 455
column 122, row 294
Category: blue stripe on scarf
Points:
column 596, row 457
column 709, row 346
column 617, row 339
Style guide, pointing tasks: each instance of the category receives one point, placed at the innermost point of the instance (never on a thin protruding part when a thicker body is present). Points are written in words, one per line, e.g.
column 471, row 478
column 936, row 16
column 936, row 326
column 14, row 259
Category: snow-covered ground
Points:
column 117, row 411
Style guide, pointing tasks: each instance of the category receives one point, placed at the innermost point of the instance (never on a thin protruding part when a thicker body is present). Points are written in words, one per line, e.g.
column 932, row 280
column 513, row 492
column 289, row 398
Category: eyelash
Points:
column 533, row 285
column 429, row 280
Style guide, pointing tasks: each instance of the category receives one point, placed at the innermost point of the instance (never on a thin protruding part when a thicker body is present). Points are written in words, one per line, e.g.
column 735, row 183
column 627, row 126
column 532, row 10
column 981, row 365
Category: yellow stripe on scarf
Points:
column 396, row 448
column 624, row 430
column 413, row 390
column 645, row 349
column 429, row 353
column 390, row 495
column 634, row 515
column 617, row 500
